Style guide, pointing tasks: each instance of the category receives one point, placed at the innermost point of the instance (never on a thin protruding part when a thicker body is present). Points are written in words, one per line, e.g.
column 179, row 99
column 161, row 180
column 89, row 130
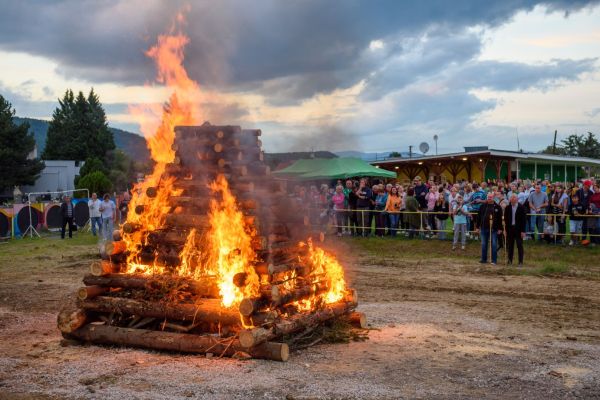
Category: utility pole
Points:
column 410, row 151
column 554, row 143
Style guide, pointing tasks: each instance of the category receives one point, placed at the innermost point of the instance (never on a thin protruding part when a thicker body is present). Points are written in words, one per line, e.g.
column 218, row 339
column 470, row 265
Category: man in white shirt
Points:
column 108, row 213
column 95, row 216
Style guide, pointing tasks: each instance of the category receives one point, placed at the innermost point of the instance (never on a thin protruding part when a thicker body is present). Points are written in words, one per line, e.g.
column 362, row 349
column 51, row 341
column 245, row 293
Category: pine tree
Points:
column 78, row 129
column 16, row 143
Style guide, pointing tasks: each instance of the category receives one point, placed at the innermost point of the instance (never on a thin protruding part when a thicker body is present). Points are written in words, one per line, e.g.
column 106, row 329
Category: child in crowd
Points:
column 460, row 212
column 576, row 214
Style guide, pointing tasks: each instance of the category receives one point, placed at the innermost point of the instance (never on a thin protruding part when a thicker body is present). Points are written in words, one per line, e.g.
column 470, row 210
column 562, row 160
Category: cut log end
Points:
column 89, row 292
column 247, row 307
column 70, row 319
column 358, row 319
column 252, row 337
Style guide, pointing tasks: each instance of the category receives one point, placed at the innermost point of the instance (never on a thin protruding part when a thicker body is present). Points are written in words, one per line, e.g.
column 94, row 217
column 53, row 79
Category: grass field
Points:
column 540, row 258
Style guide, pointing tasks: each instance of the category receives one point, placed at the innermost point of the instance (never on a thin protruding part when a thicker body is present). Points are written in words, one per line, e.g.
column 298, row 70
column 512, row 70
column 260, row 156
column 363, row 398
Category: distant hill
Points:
column 132, row 144
column 373, row 156
column 281, row 160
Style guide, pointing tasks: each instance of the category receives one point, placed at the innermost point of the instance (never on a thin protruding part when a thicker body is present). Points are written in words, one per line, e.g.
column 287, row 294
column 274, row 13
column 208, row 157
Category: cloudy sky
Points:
column 338, row 75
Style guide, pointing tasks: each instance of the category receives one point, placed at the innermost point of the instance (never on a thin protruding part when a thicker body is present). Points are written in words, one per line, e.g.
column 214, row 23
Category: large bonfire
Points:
column 214, row 257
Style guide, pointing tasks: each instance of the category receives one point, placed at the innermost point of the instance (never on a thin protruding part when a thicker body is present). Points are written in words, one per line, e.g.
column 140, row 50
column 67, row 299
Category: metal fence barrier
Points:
column 329, row 220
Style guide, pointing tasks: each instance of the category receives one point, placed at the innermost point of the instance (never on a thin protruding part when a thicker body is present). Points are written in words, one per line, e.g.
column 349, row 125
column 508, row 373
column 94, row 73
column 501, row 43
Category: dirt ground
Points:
column 442, row 327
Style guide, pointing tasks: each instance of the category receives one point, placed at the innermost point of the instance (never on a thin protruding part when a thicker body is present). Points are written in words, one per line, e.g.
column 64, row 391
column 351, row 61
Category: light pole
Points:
column 435, row 139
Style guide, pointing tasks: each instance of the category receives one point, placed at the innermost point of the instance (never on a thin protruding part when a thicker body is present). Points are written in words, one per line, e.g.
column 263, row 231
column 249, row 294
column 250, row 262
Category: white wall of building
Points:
column 58, row 175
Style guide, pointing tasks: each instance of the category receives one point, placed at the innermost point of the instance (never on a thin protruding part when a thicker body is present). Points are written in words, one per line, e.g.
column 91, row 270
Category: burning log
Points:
column 261, row 318
column 281, row 296
column 275, row 269
column 205, row 287
column 174, row 238
column 209, row 310
column 152, row 192
column 131, row 227
column 115, row 248
column 104, row 267
column 187, row 220
column 149, row 257
column 205, row 130
column 251, row 305
column 253, row 337
column 181, row 342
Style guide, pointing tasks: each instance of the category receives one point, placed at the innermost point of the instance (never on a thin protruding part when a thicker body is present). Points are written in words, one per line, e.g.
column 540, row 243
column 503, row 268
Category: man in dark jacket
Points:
column 514, row 225
column 363, row 205
column 421, row 191
column 489, row 224
column 585, row 194
column 66, row 210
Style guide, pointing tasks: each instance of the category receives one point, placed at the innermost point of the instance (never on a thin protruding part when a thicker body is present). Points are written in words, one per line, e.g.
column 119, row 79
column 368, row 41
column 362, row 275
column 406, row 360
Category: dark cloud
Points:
column 418, row 83
column 509, row 76
column 234, row 41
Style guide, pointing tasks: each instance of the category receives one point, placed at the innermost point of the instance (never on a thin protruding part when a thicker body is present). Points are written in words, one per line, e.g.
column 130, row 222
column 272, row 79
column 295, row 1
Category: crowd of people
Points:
column 431, row 210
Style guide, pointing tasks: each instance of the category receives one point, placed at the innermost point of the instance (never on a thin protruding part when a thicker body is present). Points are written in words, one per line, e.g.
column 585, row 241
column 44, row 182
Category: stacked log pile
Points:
column 168, row 312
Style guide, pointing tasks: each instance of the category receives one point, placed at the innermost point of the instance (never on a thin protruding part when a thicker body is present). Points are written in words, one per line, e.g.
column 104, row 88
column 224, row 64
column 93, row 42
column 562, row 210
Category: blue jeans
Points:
column 537, row 221
column 394, row 218
column 96, row 221
column 485, row 239
column 107, row 229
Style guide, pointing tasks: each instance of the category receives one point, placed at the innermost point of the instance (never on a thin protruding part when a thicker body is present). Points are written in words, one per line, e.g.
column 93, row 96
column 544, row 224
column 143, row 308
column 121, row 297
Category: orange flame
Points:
column 230, row 244
column 326, row 268
column 157, row 123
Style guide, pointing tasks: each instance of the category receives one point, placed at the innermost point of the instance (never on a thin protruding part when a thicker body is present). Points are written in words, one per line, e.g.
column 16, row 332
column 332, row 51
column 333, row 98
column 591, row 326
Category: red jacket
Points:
column 595, row 199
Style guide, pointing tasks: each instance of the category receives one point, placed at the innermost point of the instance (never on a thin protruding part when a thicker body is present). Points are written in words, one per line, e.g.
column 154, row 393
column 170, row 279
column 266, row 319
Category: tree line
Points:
column 576, row 145
column 78, row 130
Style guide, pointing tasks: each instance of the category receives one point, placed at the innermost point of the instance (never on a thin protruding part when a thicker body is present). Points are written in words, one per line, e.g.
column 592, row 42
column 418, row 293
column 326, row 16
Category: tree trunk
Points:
column 206, row 287
column 182, row 342
column 89, row 292
column 209, row 310
column 70, row 319
column 281, row 296
column 104, row 267
column 295, row 323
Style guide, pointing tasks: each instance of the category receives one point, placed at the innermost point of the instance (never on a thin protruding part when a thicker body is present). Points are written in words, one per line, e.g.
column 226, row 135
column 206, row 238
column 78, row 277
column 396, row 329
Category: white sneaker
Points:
column 462, row 247
column 571, row 243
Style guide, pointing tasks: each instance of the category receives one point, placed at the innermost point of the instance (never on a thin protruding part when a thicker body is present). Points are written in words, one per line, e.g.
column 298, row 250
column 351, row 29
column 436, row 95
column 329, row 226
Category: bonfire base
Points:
column 179, row 342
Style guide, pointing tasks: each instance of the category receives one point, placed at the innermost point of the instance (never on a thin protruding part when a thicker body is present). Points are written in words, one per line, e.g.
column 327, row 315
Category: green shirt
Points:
column 346, row 196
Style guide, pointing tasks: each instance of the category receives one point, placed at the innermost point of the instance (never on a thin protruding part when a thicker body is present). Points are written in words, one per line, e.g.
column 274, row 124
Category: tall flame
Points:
column 157, row 123
column 230, row 244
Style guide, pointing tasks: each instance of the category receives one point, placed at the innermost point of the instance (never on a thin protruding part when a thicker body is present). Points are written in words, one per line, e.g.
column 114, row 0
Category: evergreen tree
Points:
column 95, row 182
column 16, row 143
column 78, row 129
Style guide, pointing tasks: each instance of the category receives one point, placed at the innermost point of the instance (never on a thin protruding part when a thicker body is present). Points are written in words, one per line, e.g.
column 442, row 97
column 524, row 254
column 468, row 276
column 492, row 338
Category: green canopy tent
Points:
column 333, row 168
column 300, row 167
